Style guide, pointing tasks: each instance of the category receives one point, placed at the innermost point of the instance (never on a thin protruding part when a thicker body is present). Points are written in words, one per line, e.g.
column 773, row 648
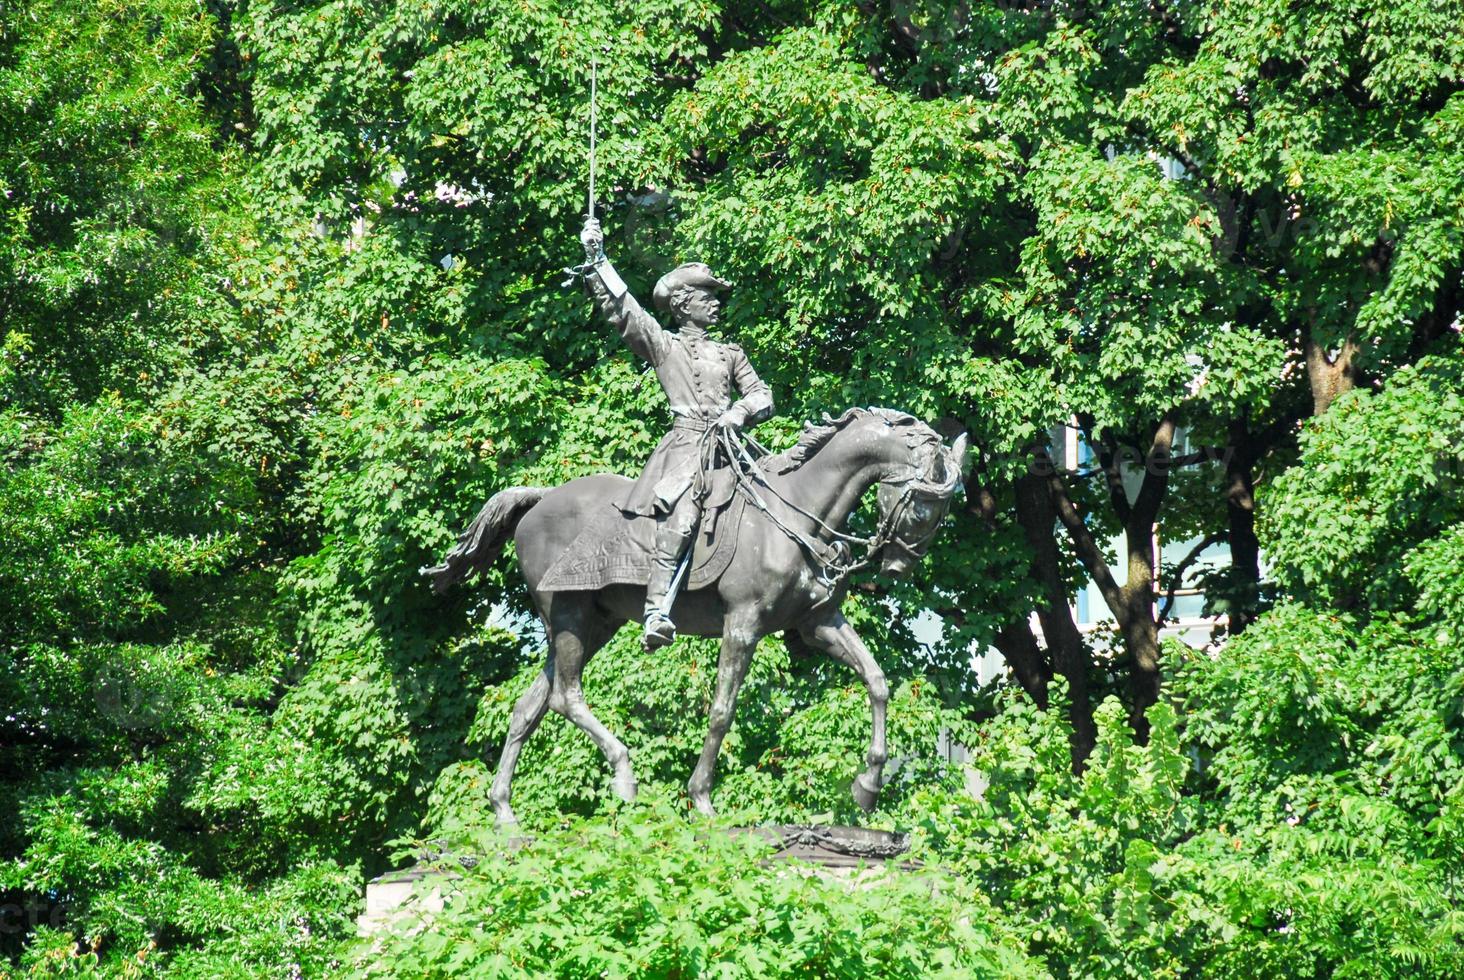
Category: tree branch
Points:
column 1084, row 544
column 1018, row 647
column 1213, row 537
column 1113, row 475
column 1205, row 454
column 1157, row 465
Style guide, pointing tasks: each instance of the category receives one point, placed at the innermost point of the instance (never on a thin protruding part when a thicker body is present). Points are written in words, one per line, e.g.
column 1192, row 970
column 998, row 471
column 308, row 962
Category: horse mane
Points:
column 815, row 437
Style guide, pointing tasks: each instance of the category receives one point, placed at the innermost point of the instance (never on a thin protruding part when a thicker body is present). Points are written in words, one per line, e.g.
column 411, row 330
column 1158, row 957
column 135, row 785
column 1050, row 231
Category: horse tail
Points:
column 483, row 541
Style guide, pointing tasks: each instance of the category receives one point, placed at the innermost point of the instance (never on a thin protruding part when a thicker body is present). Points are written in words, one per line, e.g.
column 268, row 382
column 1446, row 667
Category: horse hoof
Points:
column 624, row 788
column 863, row 795
column 507, row 819
column 704, row 806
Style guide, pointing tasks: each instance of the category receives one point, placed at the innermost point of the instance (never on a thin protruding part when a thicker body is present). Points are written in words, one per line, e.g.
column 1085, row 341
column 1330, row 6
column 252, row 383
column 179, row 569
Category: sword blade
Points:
column 594, row 73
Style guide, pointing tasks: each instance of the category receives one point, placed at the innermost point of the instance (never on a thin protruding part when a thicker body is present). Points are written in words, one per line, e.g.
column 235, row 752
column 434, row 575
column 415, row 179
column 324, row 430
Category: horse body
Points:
column 775, row 580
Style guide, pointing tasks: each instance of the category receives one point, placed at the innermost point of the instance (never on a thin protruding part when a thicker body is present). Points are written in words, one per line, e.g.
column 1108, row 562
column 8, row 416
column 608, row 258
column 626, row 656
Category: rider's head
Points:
column 689, row 293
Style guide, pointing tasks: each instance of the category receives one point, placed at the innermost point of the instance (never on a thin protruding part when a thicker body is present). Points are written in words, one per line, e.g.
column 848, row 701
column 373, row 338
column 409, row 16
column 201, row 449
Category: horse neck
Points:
column 830, row 484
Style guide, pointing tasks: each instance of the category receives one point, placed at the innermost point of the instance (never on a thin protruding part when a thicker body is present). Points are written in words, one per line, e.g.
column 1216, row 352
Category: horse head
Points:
column 913, row 503
column 917, row 475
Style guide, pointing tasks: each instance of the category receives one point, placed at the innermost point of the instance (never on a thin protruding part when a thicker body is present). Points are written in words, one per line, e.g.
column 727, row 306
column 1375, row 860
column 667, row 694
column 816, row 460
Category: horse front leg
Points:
column 738, row 644
column 837, row 638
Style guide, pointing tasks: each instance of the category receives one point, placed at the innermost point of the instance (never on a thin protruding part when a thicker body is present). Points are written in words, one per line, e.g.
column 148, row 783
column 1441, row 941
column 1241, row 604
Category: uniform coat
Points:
column 699, row 376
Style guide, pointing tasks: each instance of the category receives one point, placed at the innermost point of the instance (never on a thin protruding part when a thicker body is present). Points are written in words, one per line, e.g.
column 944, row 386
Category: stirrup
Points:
column 660, row 631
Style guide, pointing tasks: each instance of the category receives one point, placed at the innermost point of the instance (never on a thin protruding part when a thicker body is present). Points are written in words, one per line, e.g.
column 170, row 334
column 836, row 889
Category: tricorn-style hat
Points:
column 685, row 274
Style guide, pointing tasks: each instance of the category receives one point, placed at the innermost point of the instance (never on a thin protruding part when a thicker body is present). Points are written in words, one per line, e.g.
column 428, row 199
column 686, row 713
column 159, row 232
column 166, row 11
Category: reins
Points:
column 829, row 558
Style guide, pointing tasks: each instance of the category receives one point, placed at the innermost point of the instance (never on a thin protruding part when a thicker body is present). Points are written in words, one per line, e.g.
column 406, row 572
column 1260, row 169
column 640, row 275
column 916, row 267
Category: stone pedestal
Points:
column 398, row 895
column 837, row 853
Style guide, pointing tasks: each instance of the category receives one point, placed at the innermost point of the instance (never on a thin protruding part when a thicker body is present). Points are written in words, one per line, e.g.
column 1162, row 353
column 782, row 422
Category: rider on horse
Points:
column 698, row 375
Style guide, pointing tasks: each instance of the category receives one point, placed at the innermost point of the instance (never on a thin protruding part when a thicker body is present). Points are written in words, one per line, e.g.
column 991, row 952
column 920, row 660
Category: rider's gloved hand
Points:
column 734, row 418
column 593, row 239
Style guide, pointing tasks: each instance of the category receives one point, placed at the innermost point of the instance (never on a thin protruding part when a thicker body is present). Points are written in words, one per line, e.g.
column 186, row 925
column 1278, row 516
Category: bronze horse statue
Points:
column 789, row 572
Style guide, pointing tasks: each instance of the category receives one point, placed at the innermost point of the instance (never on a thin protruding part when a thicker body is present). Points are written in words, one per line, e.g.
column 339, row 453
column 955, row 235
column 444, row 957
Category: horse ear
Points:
column 958, row 452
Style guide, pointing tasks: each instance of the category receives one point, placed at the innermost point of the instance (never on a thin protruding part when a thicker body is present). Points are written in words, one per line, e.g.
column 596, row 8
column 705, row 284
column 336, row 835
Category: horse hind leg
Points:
column 573, row 644
column 527, row 713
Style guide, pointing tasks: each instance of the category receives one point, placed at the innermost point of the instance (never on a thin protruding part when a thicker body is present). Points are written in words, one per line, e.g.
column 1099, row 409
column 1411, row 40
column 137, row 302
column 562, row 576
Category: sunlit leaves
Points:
column 1379, row 474
column 644, row 893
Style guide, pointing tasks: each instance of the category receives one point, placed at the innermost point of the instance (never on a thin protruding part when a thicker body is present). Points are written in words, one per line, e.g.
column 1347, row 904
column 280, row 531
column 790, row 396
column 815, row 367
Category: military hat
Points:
column 686, row 274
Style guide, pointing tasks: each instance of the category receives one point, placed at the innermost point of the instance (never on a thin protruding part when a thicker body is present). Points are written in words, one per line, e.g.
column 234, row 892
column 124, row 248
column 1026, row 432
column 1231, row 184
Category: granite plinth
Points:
column 837, row 853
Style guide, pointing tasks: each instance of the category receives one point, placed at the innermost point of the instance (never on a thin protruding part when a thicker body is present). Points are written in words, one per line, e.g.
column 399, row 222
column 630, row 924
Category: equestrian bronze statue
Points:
column 758, row 540
column 777, row 558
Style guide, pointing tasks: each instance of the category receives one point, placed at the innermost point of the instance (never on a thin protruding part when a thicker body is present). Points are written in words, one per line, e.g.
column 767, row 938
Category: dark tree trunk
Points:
column 1018, row 646
column 1015, row 641
column 1240, row 510
column 1030, row 664
column 1132, row 603
column 1140, row 627
column 1038, row 518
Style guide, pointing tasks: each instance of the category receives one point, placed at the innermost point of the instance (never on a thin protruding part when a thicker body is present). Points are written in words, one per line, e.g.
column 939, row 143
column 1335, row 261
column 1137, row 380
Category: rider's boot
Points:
column 671, row 543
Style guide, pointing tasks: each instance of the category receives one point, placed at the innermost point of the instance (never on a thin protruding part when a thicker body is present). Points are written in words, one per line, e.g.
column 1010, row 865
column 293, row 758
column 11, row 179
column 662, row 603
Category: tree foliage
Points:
column 645, row 894
column 280, row 306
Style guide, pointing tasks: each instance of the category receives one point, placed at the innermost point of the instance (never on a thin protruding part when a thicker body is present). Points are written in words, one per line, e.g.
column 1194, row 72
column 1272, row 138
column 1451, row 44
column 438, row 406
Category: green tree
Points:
column 115, row 199
column 141, row 637
column 280, row 306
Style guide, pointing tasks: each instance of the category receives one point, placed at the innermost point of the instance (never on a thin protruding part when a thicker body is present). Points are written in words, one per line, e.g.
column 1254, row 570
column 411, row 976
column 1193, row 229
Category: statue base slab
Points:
column 835, row 853
column 832, row 848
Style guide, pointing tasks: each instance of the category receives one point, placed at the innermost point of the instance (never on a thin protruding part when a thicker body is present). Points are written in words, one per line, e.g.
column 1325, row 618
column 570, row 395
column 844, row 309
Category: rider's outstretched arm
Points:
column 638, row 328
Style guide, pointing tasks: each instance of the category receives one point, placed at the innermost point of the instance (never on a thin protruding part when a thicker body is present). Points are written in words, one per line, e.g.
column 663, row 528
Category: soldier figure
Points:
column 698, row 375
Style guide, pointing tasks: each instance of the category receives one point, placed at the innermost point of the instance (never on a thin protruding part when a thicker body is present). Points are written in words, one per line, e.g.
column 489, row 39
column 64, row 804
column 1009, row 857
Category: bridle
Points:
column 912, row 489
column 834, row 560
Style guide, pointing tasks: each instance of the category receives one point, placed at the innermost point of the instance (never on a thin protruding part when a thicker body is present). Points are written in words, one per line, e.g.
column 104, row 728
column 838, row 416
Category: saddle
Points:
column 616, row 548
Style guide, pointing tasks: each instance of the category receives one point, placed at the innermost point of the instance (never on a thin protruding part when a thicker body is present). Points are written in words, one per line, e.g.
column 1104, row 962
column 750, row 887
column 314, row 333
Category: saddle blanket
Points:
column 615, row 548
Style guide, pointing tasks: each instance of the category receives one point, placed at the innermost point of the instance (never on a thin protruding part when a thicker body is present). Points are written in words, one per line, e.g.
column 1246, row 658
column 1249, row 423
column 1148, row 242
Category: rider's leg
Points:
column 673, row 536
